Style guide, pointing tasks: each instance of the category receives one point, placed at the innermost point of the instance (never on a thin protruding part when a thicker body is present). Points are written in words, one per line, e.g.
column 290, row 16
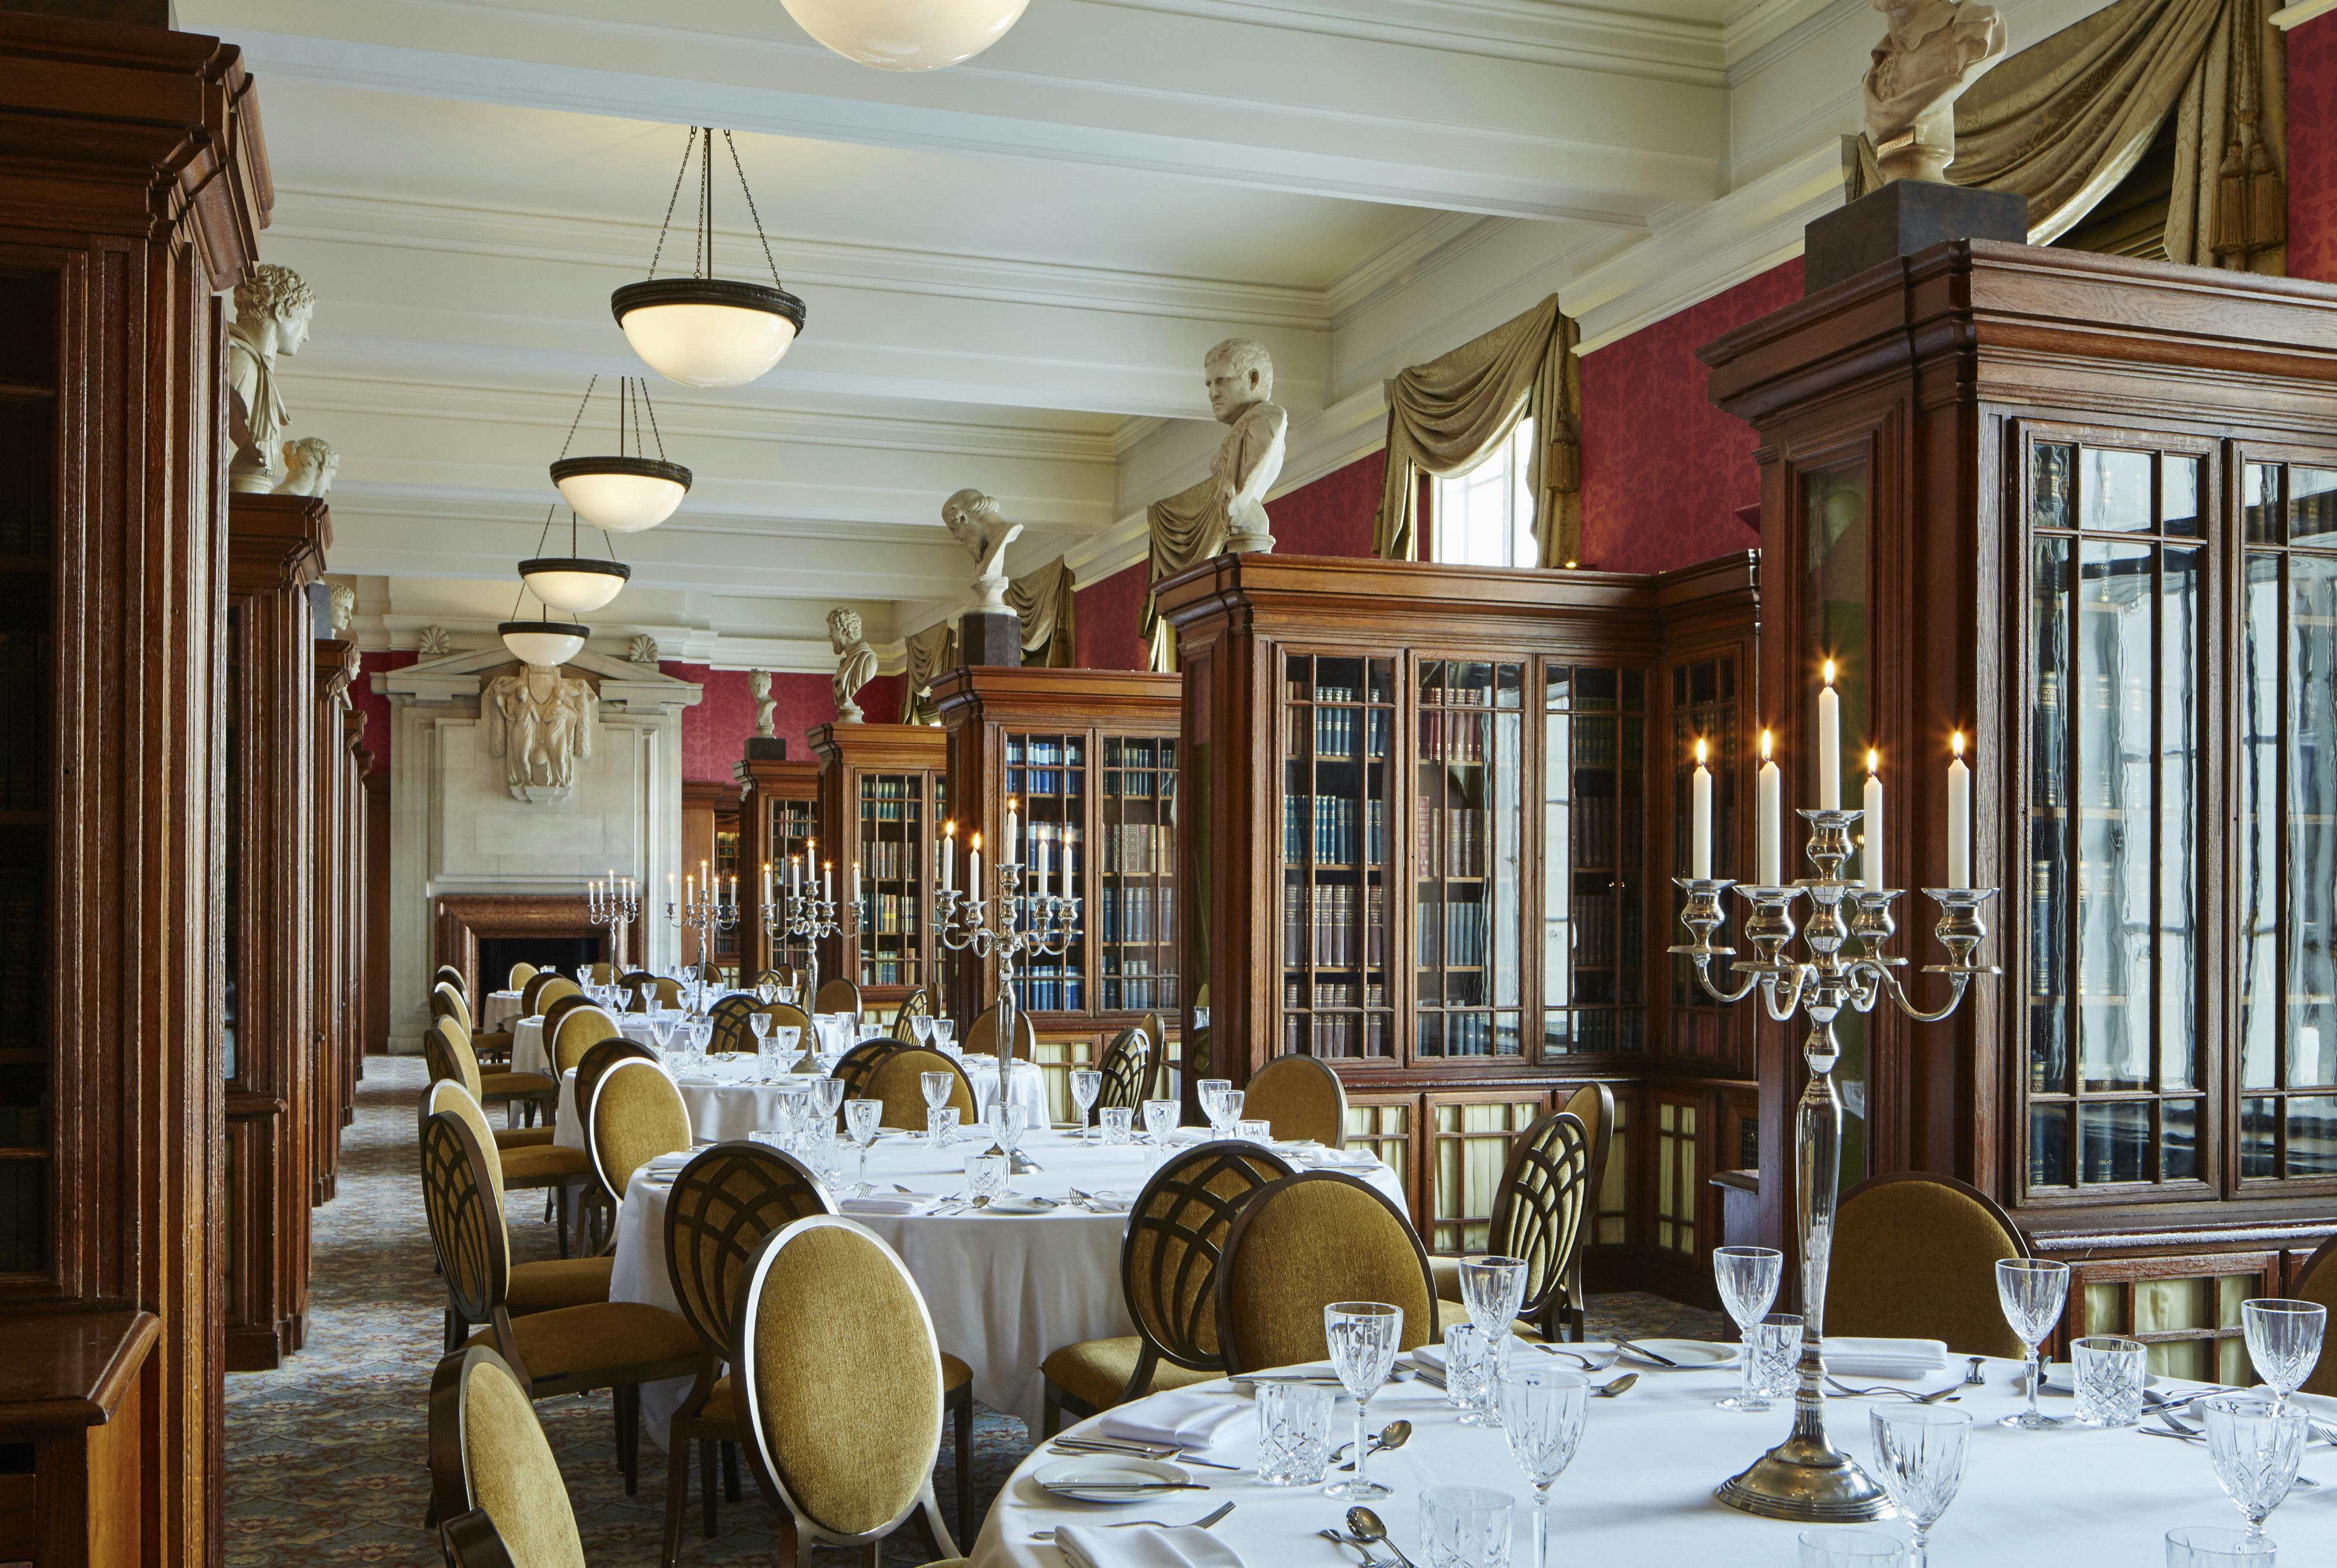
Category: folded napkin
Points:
column 896, row 1204
column 1338, row 1159
column 1848, row 1357
column 1142, row 1546
column 673, row 1161
column 1111, row 1202
column 1189, row 1420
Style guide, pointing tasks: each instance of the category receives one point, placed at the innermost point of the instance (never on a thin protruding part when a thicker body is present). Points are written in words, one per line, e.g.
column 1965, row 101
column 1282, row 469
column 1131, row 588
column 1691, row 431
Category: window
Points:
column 1485, row 517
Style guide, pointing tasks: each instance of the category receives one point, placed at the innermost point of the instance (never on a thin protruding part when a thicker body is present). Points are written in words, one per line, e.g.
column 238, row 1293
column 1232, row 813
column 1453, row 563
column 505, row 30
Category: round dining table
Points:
column 498, row 1010
column 528, row 1054
column 1640, row 1490
column 1004, row 1290
column 726, row 1101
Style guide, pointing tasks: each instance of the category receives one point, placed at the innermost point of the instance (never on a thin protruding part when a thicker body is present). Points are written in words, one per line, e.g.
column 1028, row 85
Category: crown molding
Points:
column 2301, row 11
column 1405, row 261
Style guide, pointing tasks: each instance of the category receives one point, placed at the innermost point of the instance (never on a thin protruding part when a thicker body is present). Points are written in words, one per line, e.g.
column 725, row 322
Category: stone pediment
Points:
column 622, row 685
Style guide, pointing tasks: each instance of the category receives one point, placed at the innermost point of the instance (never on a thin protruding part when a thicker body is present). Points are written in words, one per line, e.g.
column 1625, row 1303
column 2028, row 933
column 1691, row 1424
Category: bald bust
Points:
column 1241, row 395
column 1934, row 49
column 973, row 522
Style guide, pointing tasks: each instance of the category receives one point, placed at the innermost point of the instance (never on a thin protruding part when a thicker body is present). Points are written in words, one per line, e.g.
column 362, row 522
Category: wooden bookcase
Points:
column 883, row 793
column 2084, row 508
column 1426, row 833
column 710, row 834
column 1091, row 755
column 778, row 810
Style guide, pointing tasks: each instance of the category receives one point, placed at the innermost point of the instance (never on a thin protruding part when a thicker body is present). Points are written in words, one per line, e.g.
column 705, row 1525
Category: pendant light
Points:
column 907, row 35
column 552, row 643
column 629, row 491
column 702, row 330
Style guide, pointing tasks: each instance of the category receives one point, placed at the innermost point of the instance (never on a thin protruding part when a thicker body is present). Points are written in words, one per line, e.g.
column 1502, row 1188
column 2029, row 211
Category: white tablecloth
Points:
column 500, row 1008
column 1640, row 1490
column 1004, row 1290
column 733, row 1110
column 528, row 1054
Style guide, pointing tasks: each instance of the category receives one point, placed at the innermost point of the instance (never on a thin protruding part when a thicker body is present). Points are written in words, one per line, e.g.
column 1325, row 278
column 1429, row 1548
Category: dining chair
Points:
column 918, row 1005
column 548, row 988
column 897, row 1079
column 604, row 973
column 535, row 983
column 664, row 987
column 2317, row 1281
column 787, row 1015
column 859, row 1064
column 1542, row 1213
column 637, row 1114
column 557, row 1009
column 838, row 996
column 1127, row 1069
column 596, row 1215
column 1303, row 1243
column 842, row 1384
column 1914, row 1256
column 532, row 1090
column 613, row 1344
column 981, row 1038
column 731, row 1032
column 520, row 974
column 448, row 972
column 492, row 1047
column 638, row 985
column 494, row 1482
column 578, row 1029
column 563, row 1281
column 1300, row 1097
column 1168, row 1260
column 1156, row 1036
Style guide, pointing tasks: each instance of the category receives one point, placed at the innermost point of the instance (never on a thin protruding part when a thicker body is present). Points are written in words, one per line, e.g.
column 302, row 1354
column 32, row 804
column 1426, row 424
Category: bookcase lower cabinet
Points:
column 778, row 804
column 883, row 794
column 1428, row 821
column 1089, row 756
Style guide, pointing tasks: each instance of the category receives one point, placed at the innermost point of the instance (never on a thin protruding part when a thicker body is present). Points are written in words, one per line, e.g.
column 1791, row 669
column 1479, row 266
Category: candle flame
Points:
column 1829, row 671
column 1874, row 760
column 1956, row 744
column 1767, row 745
column 949, row 829
column 977, row 841
column 1699, row 752
column 1012, row 804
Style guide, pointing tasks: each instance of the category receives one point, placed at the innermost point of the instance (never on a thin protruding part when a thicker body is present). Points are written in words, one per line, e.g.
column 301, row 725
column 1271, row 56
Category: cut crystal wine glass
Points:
column 1364, row 1338
column 2284, row 1341
column 2255, row 1445
column 1919, row 1457
column 2032, row 1291
column 1542, row 1409
column 1747, row 1277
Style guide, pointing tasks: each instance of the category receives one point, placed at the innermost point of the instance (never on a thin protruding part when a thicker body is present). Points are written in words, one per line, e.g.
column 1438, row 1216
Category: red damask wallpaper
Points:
column 1664, row 471
column 1333, row 516
column 1111, row 621
column 2313, row 149
column 714, row 733
column 375, row 706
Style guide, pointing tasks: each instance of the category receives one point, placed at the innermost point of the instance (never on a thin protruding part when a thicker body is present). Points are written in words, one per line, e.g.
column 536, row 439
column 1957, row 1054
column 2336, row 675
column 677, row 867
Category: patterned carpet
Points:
column 325, row 1455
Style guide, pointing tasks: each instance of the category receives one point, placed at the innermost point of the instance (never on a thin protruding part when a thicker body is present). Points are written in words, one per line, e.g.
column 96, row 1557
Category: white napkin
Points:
column 1142, row 1546
column 1851, row 1356
column 670, row 1161
column 1342, row 1159
column 896, row 1204
column 1189, row 1420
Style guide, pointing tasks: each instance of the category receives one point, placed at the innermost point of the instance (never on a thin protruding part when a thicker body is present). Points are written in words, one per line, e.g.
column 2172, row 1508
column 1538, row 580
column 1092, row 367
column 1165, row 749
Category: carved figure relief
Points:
column 1934, row 49
column 856, row 663
column 973, row 522
column 1241, row 394
column 540, row 722
column 273, row 311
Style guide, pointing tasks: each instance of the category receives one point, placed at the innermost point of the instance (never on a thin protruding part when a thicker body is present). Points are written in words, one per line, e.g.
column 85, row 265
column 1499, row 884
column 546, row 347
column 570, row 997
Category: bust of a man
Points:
column 1249, row 461
column 856, row 663
column 310, row 465
column 759, row 683
column 345, row 608
column 273, row 311
column 1933, row 51
column 973, row 522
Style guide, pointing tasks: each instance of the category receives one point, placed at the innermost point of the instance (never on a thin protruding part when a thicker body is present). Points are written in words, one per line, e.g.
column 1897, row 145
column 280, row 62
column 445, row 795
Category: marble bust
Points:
column 345, row 608
column 1932, row 53
column 758, row 682
column 311, row 464
column 1241, row 394
column 272, row 310
column 856, row 663
column 973, row 522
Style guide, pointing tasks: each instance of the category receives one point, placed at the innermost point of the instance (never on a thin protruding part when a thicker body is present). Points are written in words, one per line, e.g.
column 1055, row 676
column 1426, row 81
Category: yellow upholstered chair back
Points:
column 488, row 1455
column 528, row 1006
column 446, row 1001
column 641, row 986
column 448, row 972
column 731, row 1031
column 1914, row 1256
column 1127, row 1068
column 558, row 1008
column 920, row 1004
column 1304, row 1243
column 725, row 1202
column 2317, row 1281
column 447, row 1094
column 1301, row 1097
column 1156, row 1036
column 636, row 1115
column 838, row 996
column 579, row 1030
column 446, row 1051
column 1545, row 1197
column 842, row 1379
column 1176, row 1236
column 897, row 1081
column 459, row 1199
column 520, row 974
column 598, row 1058
column 603, row 974
column 787, row 1015
column 982, row 1039
column 553, row 987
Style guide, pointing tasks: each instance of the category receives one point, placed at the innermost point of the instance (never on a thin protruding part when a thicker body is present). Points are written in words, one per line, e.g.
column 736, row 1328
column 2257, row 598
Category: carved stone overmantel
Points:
column 456, row 828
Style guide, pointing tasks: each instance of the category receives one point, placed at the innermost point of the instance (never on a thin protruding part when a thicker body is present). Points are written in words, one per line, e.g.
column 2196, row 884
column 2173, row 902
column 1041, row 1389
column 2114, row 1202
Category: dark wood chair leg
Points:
column 677, row 1500
column 709, row 1478
column 1052, row 1408
column 963, row 1435
column 628, row 1403
column 560, row 1192
column 731, row 1471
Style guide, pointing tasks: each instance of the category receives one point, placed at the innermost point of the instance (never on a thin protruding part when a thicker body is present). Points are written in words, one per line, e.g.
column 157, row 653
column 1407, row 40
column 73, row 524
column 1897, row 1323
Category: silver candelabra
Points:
column 1806, row 1478
column 616, row 904
column 704, row 911
column 1027, row 924
column 809, row 919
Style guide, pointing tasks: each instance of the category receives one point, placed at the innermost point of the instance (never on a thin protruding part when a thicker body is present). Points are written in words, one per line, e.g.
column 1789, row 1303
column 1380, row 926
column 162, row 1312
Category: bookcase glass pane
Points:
column 2312, row 503
column 1136, row 923
column 2048, row 814
column 2257, row 691
column 1837, row 539
column 1047, row 774
column 1594, row 769
column 1339, row 729
column 895, row 873
column 1465, row 857
column 1705, row 707
column 2310, row 981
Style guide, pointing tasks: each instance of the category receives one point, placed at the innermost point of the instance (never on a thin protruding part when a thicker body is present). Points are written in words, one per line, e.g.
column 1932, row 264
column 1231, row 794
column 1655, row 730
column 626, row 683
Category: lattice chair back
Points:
column 637, row 1114
column 1170, row 1255
column 1304, row 1243
column 726, row 1203
column 492, row 1478
column 731, row 1031
column 636, row 984
column 460, row 1200
column 1127, row 1068
column 579, row 1030
column 859, row 1064
column 1541, row 1210
column 1156, row 1036
column 831, row 1322
column 446, row 1052
column 920, row 1004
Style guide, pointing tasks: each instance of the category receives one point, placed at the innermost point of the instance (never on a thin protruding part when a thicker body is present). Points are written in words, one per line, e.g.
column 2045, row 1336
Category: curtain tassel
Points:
column 2232, row 207
column 2268, row 196
column 2251, row 198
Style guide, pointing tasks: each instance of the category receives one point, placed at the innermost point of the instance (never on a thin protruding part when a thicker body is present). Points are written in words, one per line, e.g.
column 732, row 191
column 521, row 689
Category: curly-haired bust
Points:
column 273, row 308
column 855, row 662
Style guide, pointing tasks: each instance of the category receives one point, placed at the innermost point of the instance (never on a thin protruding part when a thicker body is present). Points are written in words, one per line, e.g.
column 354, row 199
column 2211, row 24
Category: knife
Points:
column 1645, row 1354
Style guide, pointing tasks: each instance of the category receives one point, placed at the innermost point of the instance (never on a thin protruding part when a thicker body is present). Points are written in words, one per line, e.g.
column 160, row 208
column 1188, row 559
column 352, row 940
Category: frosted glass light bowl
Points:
column 907, row 35
column 708, row 331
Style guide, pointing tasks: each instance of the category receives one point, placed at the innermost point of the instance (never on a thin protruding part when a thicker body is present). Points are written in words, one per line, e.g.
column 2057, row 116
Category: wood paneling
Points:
column 462, row 921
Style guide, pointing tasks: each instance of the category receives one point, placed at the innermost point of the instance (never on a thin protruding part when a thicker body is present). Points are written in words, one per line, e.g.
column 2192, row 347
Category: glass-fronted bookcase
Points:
column 779, row 813
column 883, row 796
column 1450, row 779
column 1089, row 758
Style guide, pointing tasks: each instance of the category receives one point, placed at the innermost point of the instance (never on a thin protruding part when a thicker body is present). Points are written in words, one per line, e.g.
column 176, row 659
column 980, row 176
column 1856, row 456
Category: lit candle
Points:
column 1067, row 862
column 1829, row 741
column 1770, row 837
column 1700, row 853
column 974, row 869
column 734, row 890
column 1959, row 817
column 1013, row 826
column 949, row 857
column 767, row 881
column 1038, row 859
column 795, row 874
column 856, row 883
column 669, row 886
column 1873, row 857
column 828, row 881
column 688, row 891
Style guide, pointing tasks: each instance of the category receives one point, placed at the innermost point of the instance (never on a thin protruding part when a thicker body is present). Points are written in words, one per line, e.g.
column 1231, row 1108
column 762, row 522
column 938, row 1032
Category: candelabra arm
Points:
column 1704, row 978
column 1957, row 983
column 1782, row 1011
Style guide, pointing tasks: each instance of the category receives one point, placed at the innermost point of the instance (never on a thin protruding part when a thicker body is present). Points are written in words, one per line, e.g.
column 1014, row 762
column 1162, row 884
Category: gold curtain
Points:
column 1184, row 529
column 931, row 652
column 1045, row 598
column 1444, row 416
column 2063, row 122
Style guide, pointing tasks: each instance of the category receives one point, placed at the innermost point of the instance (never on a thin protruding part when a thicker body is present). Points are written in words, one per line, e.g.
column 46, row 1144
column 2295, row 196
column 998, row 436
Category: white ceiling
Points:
column 1012, row 268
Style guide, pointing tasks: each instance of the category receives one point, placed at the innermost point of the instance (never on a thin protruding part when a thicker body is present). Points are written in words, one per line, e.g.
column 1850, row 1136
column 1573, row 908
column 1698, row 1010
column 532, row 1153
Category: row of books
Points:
column 1053, row 988
column 24, row 721
column 1334, row 994
column 1601, row 930
column 1338, row 730
column 1468, row 1034
column 1319, row 925
column 891, row 797
column 887, row 860
column 1465, row 928
column 1140, row 784
column 1452, row 737
column 1336, row 1035
column 1137, row 914
column 1606, row 743
column 894, row 914
column 1140, row 848
column 1139, row 993
column 1605, row 827
column 1333, row 837
column 1457, row 848
column 28, row 446
column 890, row 971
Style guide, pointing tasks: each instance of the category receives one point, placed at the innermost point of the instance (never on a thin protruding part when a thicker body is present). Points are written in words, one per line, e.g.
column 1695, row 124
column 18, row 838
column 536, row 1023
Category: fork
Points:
column 1947, row 1395
column 1203, row 1522
column 1586, row 1363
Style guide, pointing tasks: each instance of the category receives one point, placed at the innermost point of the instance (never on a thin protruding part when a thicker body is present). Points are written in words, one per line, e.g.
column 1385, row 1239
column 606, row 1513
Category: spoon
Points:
column 1620, row 1386
column 1366, row 1526
column 1393, row 1435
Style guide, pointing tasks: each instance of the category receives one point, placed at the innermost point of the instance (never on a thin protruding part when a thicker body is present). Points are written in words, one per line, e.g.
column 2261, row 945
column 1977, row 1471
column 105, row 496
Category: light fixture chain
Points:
column 573, row 425
column 679, row 176
column 706, row 210
column 655, row 434
column 751, row 213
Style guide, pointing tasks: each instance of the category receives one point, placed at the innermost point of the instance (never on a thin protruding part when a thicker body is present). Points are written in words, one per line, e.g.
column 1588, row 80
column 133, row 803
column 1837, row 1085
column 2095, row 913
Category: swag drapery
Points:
column 931, row 652
column 2065, row 121
column 1185, row 528
column 1445, row 415
column 1045, row 598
